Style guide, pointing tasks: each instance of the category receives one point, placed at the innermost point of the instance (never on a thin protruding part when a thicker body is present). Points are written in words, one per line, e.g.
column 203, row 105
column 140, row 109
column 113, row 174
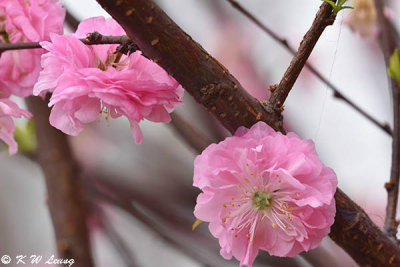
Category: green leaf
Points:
column 337, row 6
column 25, row 136
column 333, row 4
column 394, row 66
column 196, row 223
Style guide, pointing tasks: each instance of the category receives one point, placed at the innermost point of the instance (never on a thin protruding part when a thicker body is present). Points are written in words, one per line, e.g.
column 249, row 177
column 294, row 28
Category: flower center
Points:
column 262, row 200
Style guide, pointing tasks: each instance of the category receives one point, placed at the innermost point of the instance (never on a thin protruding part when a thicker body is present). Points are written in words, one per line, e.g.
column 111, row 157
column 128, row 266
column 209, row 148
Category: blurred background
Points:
column 141, row 196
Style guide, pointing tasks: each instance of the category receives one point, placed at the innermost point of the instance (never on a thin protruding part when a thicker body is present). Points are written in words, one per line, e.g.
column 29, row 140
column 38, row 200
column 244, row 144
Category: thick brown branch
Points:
column 200, row 74
column 336, row 93
column 324, row 18
column 65, row 196
column 354, row 231
column 389, row 37
column 212, row 86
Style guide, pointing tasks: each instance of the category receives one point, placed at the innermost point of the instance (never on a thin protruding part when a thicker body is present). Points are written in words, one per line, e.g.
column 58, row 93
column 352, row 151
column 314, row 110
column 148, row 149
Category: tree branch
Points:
column 388, row 46
column 213, row 87
column 324, row 17
column 196, row 140
column 199, row 73
column 336, row 92
column 354, row 231
column 93, row 38
column 65, row 195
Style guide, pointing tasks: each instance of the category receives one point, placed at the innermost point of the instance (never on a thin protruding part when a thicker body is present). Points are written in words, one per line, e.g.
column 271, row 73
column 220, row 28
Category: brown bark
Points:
column 388, row 42
column 66, row 200
column 324, row 18
column 354, row 231
column 199, row 73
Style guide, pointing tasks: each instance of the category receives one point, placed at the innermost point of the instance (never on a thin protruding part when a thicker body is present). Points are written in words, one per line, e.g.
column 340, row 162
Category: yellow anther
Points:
column 255, row 187
column 274, row 225
column 224, row 205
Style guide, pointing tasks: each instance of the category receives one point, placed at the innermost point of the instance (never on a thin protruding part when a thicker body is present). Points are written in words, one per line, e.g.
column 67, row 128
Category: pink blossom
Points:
column 264, row 190
column 363, row 19
column 26, row 21
column 9, row 109
column 89, row 80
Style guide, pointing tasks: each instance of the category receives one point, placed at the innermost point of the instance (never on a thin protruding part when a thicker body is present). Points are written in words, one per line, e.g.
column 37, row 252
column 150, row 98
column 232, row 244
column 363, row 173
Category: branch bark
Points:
column 354, row 231
column 388, row 46
column 66, row 200
column 93, row 38
column 324, row 18
column 199, row 73
column 213, row 87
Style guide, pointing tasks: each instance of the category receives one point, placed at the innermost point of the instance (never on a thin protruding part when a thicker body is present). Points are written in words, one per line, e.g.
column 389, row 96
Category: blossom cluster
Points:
column 86, row 82
column 90, row 80
column 23, row 21
column 264, row 190
column 363, row 19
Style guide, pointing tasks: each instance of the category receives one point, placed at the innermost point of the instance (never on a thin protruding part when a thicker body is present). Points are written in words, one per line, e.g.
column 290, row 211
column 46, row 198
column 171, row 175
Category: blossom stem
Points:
column 336, row 92
column 389, row 37
column 93, row 38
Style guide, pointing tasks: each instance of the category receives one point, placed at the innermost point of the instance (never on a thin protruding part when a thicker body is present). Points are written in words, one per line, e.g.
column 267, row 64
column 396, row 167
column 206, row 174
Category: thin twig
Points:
column 66, row 198
column 196, row 140
column 389, row 37
column 93, row 38
column 123, row 199
column 213, row 87
column 336, row 92
column 113, row 235
column 324, row 18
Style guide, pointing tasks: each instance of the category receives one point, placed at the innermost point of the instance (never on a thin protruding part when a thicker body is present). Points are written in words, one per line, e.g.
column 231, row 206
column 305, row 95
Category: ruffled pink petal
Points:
column 262, row 190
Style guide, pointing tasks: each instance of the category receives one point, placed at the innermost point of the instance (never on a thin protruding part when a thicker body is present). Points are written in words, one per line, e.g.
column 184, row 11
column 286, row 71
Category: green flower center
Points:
column 261, row 200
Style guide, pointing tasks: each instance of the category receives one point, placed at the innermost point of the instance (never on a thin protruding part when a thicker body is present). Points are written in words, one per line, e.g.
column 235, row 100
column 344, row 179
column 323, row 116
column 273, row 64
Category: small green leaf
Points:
column 331, row 3
column 337, row 6
column 394, row 66
column 25, row 136
column 196, row 223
